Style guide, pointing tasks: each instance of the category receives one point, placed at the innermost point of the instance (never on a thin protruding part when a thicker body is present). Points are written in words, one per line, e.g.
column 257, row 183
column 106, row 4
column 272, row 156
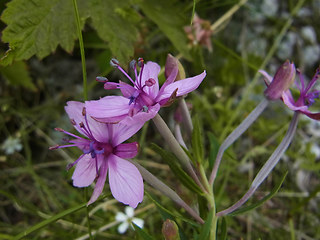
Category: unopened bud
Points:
column 281, row 82
column 173, row 66
column 170, row 230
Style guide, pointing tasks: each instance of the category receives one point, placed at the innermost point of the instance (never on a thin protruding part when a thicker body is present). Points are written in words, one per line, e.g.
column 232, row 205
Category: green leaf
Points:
column 197, row 141
column 114, row 22
column 205, row 230
column 17, row 74
column 223, row 229
column 166, row 214
column 170, row 21
column 37, row 27
column 172, row 161
column 260, row 202
column 142, row 233
column 214, row 148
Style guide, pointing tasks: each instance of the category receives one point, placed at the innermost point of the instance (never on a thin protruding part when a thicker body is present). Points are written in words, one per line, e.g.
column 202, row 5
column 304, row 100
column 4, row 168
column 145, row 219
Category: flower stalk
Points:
column 176, row 148
column 267, row 167
column 235, row 135
column 163, row 188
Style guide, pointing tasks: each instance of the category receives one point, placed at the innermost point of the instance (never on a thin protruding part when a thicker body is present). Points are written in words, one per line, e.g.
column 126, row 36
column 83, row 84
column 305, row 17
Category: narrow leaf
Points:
column 197, row 141
column 223, row 229
column 205, row 230
column 142, row 233
column 166, row 214
column 214, row 148
column 172, row 161
column 260, row 202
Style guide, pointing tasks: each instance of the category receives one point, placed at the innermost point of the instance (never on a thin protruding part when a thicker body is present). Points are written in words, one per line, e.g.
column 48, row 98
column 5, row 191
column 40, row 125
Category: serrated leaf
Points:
column 114, row 23
column 169, row 20
column 142, row 233
column 172, row 161
column 260, row 202
column 17, row 74
column 37, row 27
column 197, row 141
column 205, row 230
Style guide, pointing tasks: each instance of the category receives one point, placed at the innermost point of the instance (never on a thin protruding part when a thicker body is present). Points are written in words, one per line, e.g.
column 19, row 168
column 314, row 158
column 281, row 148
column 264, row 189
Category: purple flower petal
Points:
column 142, row 117
column 184, row 86
column 85, row 171
column 125, row 181
column 289, row 101
column 122, row 132
column 127, row 150
column 75, row 112
column 108, row 109
column 100, row 182
column 150, row 70
column 267, row 78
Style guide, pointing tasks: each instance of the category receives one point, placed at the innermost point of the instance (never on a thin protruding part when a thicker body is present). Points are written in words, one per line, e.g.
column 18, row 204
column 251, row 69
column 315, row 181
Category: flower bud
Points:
column 172, row 64
column 170, row 230
column 281, row 82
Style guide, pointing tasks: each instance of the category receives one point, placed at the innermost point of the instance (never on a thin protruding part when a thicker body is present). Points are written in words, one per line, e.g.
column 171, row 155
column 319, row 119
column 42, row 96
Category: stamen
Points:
column 54, row 147
column 97, row 170
column 70, row 165
column 84, row 111
column 70, row 134
column 133, row 64
column 313, row 81
column 150, row 82
column 114, row 62
column 73, row 122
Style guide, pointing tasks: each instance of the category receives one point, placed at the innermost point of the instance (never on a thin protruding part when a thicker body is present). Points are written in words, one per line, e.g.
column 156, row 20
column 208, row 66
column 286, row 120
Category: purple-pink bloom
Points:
column 103, row 151
column 143, row 100
column 307, row 95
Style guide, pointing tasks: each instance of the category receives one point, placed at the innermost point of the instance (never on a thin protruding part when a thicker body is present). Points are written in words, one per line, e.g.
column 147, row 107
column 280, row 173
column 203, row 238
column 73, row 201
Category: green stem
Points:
column 83, row 59
column 87, row 213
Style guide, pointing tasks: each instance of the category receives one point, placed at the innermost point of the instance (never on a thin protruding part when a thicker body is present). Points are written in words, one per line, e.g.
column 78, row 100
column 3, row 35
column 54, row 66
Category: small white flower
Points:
column 127, row 219
column 11, row 145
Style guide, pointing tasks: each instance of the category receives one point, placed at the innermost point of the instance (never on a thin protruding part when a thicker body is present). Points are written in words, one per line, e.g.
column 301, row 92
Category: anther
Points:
column 81, row 125
column 150, row 82
column 83, row 111
column 102, row 79
column 54, row 147
column 59, row 129
column 140, row 62
column 133, row 64
column 114, row 62
column 73, row 122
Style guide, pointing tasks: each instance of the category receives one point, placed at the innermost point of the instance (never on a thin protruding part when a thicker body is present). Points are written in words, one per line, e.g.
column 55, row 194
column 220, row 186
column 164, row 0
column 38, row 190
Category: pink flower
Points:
column 307, row 96
column 103, row 151
column 200, row 32
column 143, row 100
